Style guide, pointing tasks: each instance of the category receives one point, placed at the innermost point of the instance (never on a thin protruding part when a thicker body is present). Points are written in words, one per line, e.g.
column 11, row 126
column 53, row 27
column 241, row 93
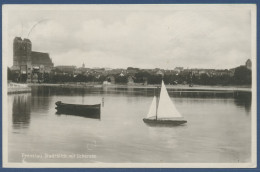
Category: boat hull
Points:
column 90, row 111
column 164, row 122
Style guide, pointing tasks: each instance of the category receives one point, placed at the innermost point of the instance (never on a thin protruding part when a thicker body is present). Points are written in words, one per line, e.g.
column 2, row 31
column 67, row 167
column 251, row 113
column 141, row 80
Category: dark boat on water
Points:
column 89, row 111
column 165, row 122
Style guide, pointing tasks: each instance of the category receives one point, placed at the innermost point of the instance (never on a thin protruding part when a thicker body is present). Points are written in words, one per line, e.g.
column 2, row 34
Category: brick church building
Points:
column 28, row 64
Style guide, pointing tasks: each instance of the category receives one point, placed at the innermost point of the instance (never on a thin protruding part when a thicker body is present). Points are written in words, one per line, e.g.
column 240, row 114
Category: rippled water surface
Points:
column 218, row 128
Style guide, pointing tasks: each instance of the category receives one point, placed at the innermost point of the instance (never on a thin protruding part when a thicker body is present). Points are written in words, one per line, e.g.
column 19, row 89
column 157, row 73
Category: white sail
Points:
column 166, row 108
column 152, row 110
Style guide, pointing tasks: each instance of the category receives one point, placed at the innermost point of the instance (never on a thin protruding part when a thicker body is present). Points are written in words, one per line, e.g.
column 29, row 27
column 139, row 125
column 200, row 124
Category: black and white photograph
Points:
column 129, row 85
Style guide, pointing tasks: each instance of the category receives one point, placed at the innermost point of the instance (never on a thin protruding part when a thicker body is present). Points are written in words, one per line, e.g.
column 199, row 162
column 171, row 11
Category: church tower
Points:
column 22, row 57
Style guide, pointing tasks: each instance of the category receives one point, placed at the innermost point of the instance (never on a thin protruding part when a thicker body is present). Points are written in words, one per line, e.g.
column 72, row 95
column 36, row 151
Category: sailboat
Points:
column 163, row 111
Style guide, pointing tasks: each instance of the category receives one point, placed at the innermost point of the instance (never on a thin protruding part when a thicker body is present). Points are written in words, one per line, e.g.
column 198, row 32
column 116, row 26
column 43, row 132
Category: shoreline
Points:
column 177, row 87
column 18, row 90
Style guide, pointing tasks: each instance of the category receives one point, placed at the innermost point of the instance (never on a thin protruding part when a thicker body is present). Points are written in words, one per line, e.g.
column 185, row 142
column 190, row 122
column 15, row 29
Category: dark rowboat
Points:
column 89, row 111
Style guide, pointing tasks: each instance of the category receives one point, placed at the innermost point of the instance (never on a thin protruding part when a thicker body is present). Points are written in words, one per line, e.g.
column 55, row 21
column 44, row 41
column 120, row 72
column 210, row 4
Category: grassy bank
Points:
column 14, row 88
column 179, row 87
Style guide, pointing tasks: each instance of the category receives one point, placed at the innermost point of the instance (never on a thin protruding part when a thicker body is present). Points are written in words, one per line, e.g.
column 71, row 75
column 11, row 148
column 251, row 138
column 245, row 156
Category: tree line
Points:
column 242, row 76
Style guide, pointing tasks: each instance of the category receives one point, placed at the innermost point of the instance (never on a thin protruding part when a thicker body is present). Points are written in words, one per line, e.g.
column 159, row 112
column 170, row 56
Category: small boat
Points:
column 163, row 111
column 89, row 111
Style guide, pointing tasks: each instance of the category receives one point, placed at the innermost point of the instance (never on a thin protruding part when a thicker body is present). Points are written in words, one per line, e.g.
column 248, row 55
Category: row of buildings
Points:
column 29, row 65
column 130, row 72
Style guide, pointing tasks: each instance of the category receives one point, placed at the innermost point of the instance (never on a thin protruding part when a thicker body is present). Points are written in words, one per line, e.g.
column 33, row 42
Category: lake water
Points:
column 218, row 128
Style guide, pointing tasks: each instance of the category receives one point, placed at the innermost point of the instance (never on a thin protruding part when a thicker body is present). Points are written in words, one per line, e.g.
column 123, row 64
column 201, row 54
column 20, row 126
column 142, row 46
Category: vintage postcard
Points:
column 134, row 85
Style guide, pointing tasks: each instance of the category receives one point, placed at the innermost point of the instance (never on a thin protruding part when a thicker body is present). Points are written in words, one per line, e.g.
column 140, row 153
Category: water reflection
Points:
column 21, row 111
column 214, row 119
column 95, row 116
column 242, row 99
column 41, row 98
column 164, row 125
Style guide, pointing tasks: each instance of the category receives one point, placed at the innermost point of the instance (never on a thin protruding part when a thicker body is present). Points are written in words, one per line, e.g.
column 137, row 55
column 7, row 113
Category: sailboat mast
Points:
column 157, row 102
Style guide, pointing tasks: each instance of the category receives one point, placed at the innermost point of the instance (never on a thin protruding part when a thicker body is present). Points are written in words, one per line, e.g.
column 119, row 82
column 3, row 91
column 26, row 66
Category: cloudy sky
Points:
column 145, row 36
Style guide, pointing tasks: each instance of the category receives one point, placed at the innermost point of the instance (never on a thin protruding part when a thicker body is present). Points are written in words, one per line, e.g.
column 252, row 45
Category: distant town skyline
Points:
column 142, row 36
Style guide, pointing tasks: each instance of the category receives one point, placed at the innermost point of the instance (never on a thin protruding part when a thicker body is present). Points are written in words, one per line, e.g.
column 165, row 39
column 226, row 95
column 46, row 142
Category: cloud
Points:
column 141, row 38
